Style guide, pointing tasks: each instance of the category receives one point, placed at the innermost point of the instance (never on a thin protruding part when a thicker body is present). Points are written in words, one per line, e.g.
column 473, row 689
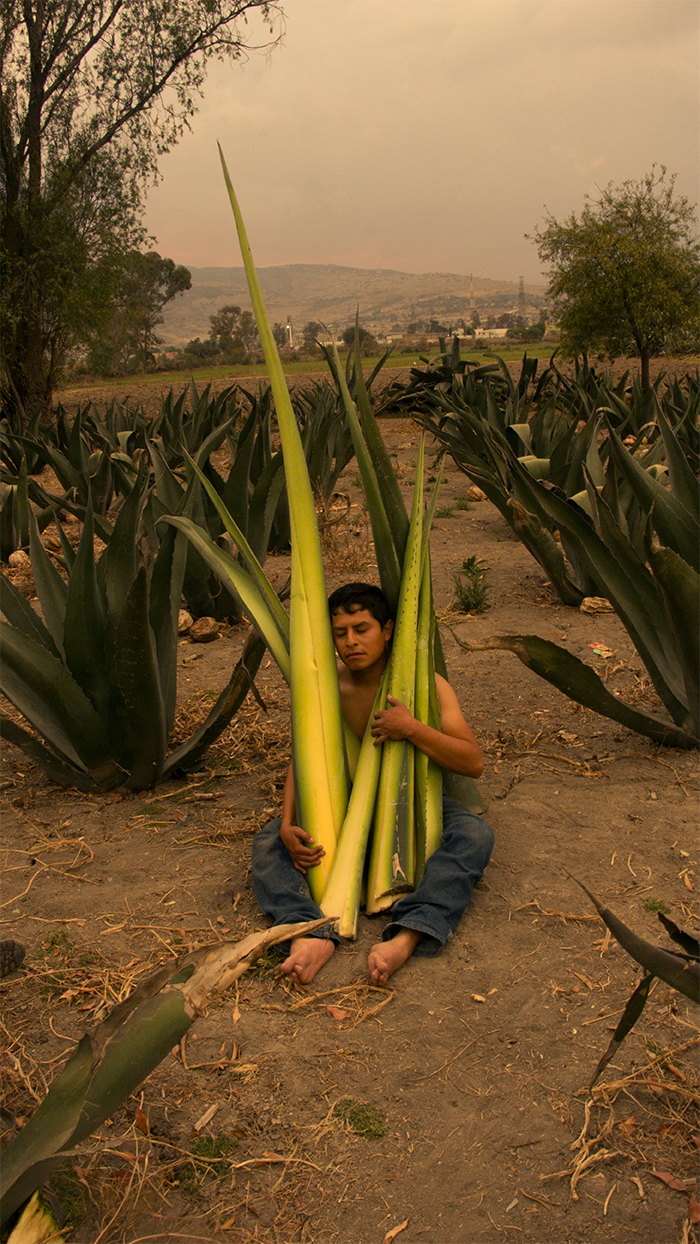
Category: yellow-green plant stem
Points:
column 320, row 774
column 392, row 860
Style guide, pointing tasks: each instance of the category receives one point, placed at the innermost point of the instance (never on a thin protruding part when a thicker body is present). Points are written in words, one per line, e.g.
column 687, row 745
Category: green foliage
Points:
column 70, row 1192
column 126, row 337
column 97, row 678
column 656, row 904
column 364, row 1118
column 446, row 511
column 625, row 275
column 233, row 332
column 613, row 473
column 210, row 1156
column 471, row 590
column 112, row 1059
column 94, row 97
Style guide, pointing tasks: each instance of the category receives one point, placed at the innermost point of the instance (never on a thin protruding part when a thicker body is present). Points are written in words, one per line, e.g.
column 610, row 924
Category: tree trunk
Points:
column 645, row 360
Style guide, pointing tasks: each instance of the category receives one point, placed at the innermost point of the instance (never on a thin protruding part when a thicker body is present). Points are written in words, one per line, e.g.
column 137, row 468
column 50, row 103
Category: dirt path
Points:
column 475, row 1063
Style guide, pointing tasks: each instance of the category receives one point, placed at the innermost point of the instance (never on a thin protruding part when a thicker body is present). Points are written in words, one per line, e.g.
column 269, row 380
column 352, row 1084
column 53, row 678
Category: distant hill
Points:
column 330, row 294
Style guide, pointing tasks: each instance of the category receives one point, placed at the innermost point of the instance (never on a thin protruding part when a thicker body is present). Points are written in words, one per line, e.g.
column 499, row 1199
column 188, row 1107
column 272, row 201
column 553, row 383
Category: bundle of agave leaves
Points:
column 111, row 1061
column 325, row 752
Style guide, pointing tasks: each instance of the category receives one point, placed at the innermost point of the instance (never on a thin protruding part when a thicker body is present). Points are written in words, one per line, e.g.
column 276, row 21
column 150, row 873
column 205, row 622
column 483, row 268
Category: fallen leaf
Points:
column 478, row 997
column 672, row 1180
column 391, row 1235
column 628, row 1125
column 694, row 1209
column 141, row 1121
column 337, row 1012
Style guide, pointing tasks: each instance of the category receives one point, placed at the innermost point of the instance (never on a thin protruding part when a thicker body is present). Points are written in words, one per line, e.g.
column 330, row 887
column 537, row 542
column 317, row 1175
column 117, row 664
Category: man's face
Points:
column 359, row 639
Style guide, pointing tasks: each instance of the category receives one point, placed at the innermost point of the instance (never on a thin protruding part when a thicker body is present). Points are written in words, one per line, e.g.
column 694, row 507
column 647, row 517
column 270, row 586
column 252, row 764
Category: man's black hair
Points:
column 353, row 596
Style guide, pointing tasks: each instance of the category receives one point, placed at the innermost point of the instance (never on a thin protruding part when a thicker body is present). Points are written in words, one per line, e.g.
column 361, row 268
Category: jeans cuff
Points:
column 430, row 943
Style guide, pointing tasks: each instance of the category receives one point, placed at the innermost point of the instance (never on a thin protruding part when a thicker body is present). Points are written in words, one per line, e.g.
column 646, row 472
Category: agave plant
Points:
column 112, row 1059
column 96, row 679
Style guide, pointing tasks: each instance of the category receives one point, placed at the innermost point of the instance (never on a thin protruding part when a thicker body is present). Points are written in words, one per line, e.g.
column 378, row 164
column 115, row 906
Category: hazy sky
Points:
column 431, row 135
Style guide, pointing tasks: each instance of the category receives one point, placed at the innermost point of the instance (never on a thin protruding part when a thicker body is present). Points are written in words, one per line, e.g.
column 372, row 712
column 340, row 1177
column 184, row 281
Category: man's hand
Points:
column 296, row 841
column 395, row 722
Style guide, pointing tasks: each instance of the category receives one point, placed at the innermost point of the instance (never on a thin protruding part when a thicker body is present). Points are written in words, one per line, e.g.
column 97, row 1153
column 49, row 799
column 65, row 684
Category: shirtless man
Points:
column 282, row 852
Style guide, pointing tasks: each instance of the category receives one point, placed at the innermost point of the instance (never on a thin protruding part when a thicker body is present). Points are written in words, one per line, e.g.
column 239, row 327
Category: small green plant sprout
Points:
column 656, row 904
column 463, row 503
column 446, row 511
column 209, row 1156
column 471, row 589
column 362, row 1117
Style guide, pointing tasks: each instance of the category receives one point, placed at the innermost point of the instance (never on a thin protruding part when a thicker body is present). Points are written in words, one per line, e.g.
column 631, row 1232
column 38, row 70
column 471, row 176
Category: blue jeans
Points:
column 434, row 908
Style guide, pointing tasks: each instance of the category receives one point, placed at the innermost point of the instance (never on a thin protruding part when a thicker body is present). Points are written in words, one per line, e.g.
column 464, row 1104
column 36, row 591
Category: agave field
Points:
column 507, row 1085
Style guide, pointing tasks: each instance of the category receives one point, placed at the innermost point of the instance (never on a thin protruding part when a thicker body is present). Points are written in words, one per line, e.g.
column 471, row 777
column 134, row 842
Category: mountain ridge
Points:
column 331, row 292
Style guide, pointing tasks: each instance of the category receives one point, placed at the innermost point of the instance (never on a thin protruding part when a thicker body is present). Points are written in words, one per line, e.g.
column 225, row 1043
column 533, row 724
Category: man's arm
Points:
column 454, row 746
column 299, row 844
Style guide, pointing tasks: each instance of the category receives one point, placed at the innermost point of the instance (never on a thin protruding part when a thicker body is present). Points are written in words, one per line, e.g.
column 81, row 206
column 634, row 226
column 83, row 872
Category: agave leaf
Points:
column 677, row 526
column 84, row 625
column 392, row 860
column 111, row 1061
column 50, row 588
column 679, row 587
column 545, row 549
column 19, row 613
column 684, row 483
column 227, row 705
column 580, row 683
column 394, row 503
column 263, row 506
column 387, row 562
column 133, row 667
column 213, row 441
column 670, row 967
column 48, row 696
column 623, row 578
column 237, row 488
column 36, row 1225
column 164, row 607
column 320, row 781
column 239, row 581
column 690, row 944
column 255, row 570
column 630, row 1015
column 117, row 565
column 60, row 771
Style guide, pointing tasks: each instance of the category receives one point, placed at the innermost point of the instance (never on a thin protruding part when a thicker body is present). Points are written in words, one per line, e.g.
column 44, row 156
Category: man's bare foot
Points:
column 307, row 956
column 387, row 957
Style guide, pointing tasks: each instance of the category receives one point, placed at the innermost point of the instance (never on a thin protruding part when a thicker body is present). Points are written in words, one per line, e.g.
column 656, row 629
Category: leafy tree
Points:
column 311, row 331
column 436, row 327
column 366, row 339
column 234, row 332
column 475, row 319
column 279, row 333
column 94, row 92
column 625, row 275
column 200, row 351
column 147, row 283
